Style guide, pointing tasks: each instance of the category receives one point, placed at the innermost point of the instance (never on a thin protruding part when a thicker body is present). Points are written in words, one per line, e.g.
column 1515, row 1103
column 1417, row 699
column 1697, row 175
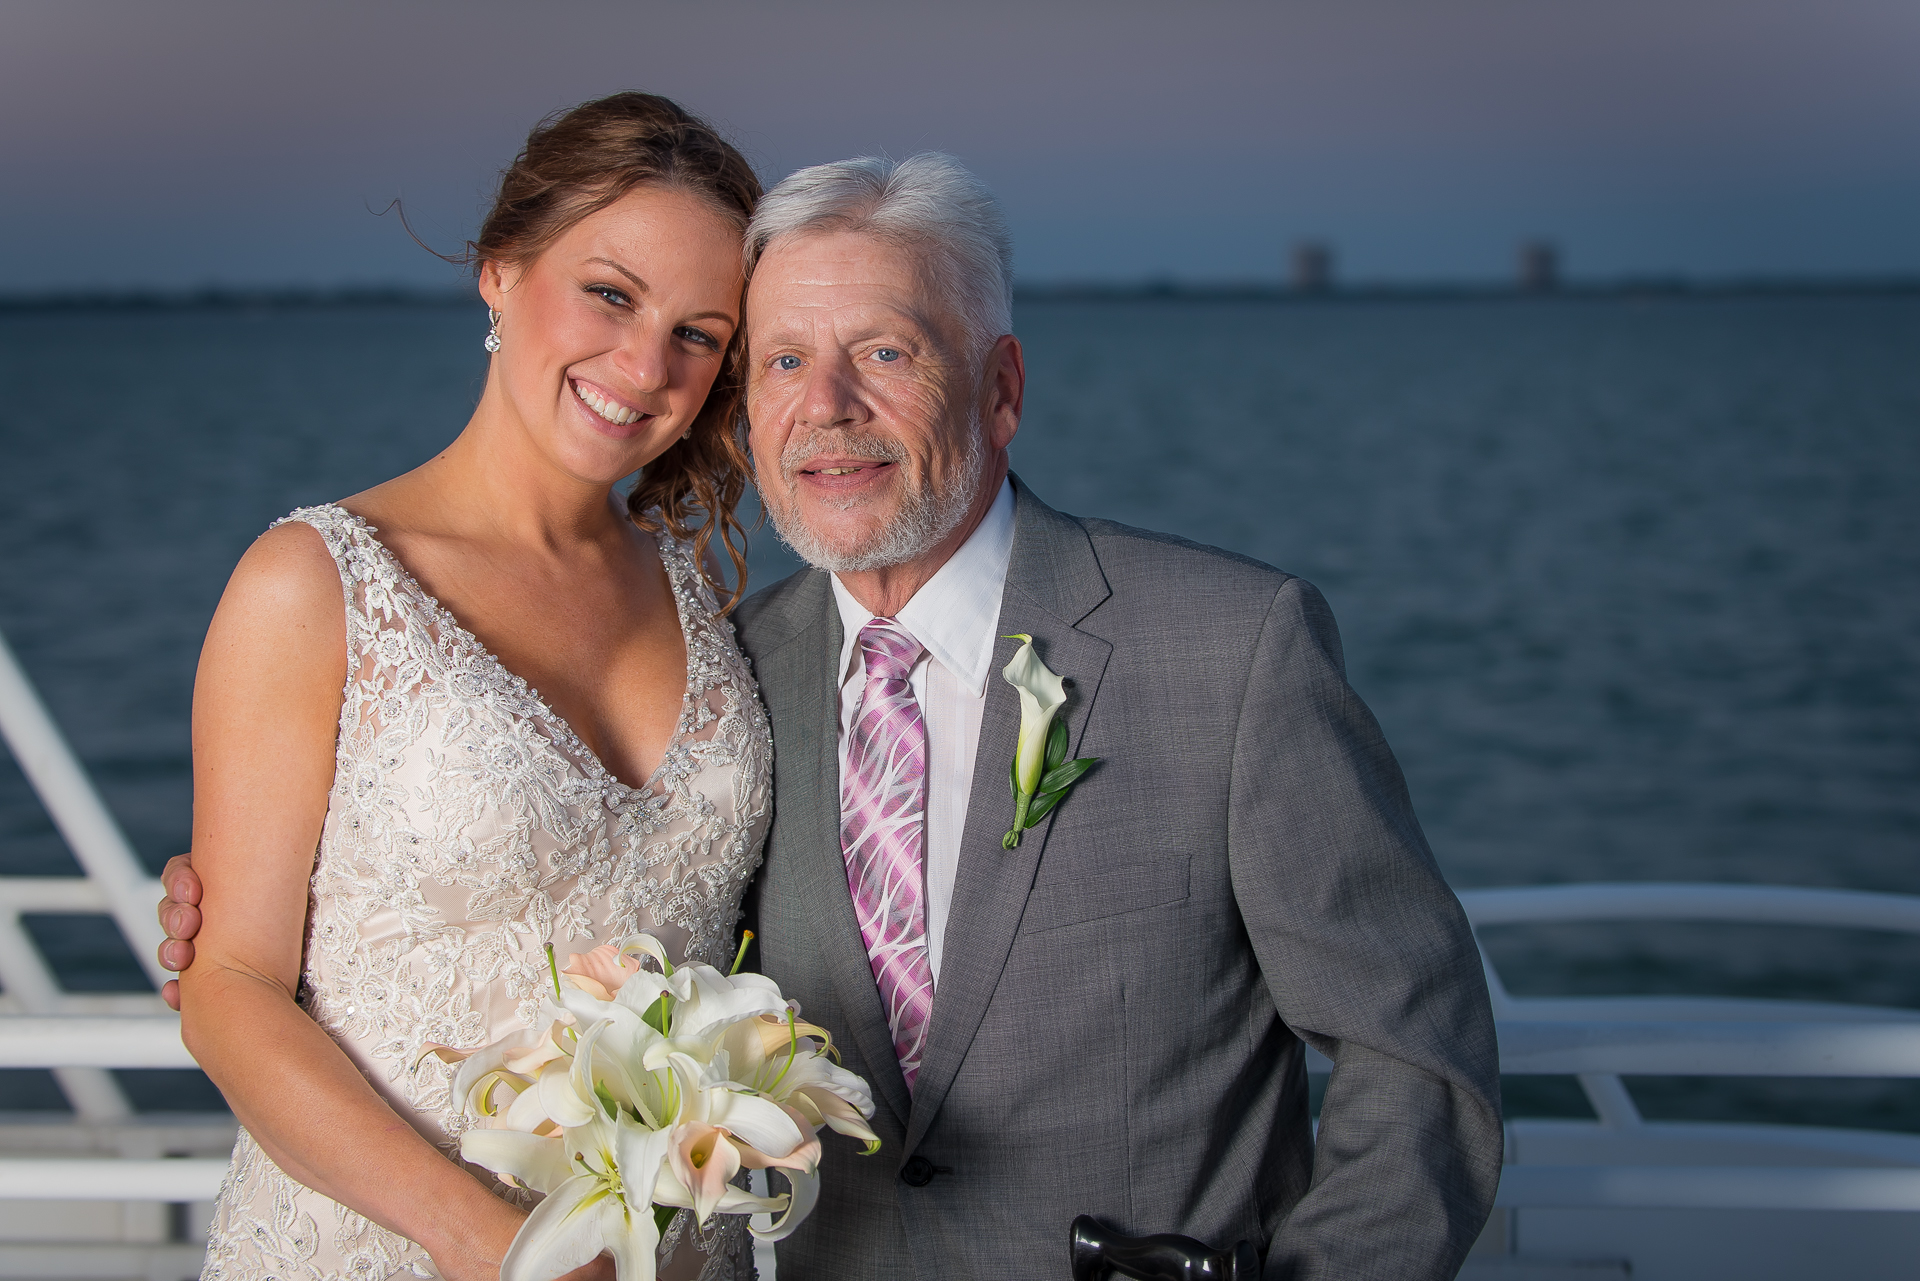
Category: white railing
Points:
column 1596, row 1039
column 115, row 882
column 80, row 1036
column 77, row 810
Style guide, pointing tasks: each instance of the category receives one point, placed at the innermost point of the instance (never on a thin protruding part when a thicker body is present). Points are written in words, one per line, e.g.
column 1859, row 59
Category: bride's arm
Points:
column 265, row 710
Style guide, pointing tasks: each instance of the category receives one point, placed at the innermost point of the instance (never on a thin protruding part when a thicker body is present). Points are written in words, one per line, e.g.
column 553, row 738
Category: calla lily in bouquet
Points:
column 1042, row 774
column 650, row 1090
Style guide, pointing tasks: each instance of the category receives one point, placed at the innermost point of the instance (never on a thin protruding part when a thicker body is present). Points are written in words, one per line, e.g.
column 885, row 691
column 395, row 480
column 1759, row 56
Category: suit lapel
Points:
column 1053, row 581
column 808, row 755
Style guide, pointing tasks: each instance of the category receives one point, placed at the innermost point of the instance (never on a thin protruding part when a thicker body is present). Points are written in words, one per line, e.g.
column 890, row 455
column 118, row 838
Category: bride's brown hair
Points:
column 578, row 162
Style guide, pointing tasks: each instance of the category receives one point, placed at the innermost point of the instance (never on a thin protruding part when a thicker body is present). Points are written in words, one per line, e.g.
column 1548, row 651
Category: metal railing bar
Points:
column 111, row 1179
column 1733, row 1187
column 50, row 894
column 66, row 1041
column 77, row 810
column 1521, row 1186
column 1608, row 1097
column 91, row 1091
column 1711, row 1049
column 1693, row 1009
column 1527, row 1048
column 1679, row 901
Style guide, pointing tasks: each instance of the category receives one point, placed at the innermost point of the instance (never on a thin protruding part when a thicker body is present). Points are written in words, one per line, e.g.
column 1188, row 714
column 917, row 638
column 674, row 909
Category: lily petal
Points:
column 560, row 1235
column 558, row 1096
column 705, row 1160
column 806, row 1191
column 761, row 1122
column 606, row 967
column 633, row 1237
column 641, row 1153
column 539, row 1163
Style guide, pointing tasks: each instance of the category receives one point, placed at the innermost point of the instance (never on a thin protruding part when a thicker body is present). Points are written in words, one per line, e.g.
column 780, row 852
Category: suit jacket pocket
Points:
column 1114, row 889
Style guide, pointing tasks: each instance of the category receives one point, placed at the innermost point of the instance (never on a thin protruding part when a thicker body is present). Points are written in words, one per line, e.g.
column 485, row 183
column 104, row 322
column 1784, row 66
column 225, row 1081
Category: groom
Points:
column 1107, row 1018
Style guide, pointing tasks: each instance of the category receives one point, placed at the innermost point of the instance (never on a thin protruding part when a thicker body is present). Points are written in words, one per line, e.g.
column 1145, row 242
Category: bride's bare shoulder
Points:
column 284, row 597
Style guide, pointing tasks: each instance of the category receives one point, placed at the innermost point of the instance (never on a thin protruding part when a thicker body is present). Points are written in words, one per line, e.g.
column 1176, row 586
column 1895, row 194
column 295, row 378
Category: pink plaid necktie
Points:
column 883, row 834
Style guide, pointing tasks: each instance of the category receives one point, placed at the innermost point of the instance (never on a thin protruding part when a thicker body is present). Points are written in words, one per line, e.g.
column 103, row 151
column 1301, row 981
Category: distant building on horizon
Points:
column 1312, row 267
column 1539, row 267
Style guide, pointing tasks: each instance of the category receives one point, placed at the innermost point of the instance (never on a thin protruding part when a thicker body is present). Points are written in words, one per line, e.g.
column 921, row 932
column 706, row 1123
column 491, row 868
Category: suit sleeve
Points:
column 1369, row 958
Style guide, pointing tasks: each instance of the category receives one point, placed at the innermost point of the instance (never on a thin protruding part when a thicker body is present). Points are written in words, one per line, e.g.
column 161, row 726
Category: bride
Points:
column 482, row 708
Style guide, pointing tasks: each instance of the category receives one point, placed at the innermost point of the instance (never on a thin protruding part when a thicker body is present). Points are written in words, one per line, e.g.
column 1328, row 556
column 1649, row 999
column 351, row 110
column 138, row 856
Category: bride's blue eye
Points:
column 786, row 362
column 609, row 293
column 887, row 354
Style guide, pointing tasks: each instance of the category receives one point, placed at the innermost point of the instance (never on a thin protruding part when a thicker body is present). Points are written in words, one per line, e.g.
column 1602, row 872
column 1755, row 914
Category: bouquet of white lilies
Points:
column 649, row 1092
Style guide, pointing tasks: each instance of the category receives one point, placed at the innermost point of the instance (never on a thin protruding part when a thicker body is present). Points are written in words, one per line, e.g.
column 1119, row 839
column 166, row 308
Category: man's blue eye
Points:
column 887, row 354
column 786, row 362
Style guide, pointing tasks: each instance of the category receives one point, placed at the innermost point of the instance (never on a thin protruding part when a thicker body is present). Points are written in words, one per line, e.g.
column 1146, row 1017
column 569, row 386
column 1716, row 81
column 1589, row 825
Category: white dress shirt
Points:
column 953, row 616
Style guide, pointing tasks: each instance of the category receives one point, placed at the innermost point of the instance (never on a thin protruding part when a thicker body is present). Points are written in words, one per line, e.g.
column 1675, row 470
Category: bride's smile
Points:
column 611, row 336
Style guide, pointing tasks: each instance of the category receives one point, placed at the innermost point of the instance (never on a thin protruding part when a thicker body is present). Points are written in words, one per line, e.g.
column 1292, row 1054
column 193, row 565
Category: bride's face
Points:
column 612, row 337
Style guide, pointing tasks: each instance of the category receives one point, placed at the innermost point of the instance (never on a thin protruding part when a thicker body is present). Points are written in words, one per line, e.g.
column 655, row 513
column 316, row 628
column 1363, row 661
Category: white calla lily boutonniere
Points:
column 1042, row 774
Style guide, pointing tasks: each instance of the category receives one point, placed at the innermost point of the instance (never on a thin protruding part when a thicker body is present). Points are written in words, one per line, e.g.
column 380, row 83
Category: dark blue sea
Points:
column 1633, row 584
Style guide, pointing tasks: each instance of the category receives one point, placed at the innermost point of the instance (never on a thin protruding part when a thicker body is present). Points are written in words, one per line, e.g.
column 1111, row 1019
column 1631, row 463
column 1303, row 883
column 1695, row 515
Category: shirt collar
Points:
column 954, row 613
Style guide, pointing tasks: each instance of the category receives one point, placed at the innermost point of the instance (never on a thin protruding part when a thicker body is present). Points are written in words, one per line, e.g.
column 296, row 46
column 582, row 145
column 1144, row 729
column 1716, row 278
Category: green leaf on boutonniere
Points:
column 1061, row 777
column 1056, row 748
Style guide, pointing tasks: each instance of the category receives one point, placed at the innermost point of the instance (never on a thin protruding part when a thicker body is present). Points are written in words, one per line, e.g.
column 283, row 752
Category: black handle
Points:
column 1099, row 1252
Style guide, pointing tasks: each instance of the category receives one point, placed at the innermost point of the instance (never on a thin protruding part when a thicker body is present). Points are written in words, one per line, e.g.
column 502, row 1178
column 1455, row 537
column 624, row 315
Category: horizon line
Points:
column 1156, row 287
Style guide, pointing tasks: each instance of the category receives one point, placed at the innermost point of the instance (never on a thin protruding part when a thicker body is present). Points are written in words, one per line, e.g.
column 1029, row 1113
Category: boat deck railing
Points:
column 1598, row 1040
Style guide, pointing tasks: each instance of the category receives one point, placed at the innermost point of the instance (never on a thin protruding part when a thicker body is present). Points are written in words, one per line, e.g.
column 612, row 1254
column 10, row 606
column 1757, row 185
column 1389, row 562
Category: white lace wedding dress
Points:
column 468, row 827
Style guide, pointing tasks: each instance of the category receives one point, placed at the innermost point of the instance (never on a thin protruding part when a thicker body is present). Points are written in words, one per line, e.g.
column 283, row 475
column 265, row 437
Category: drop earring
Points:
column 492, row 343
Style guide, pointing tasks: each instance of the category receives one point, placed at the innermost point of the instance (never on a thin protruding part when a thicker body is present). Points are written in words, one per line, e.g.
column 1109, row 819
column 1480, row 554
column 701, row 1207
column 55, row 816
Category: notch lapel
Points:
column 1053, row 581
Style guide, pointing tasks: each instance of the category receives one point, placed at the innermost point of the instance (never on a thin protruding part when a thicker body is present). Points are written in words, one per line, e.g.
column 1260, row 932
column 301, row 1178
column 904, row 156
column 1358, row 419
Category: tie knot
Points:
column 888, row 650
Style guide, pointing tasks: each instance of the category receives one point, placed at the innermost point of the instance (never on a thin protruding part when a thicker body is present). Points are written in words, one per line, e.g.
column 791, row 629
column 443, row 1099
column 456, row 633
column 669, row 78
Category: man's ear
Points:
column 1006, row 390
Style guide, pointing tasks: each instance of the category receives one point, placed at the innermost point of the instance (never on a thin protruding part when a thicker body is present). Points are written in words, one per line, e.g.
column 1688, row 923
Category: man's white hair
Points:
column 927, row 202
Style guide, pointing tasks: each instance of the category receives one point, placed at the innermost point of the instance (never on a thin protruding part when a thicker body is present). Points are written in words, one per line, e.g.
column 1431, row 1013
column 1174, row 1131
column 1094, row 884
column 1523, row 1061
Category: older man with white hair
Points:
column 1107, row 1016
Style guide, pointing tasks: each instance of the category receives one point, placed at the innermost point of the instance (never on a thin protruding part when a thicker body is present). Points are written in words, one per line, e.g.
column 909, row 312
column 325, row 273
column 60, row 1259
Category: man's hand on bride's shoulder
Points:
column 180, row 917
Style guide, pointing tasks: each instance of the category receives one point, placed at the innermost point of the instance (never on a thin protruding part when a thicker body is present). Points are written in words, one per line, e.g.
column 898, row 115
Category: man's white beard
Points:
column 924, row 519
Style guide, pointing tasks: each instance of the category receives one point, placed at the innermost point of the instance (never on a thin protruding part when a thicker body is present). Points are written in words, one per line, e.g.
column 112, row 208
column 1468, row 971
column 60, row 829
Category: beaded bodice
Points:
column 468, row 826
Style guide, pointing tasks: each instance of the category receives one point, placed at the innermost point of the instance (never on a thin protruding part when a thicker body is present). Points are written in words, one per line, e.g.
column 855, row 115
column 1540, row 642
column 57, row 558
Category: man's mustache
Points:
column 839, row 444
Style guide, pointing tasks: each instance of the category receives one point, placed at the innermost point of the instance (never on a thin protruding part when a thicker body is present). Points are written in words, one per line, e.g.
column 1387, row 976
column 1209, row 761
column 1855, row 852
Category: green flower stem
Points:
column 746, row 937
column 553, row 968
column 1020, row 804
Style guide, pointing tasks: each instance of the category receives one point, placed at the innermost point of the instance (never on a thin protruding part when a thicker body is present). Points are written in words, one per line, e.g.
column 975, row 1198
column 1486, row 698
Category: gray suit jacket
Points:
column 1117, row 1027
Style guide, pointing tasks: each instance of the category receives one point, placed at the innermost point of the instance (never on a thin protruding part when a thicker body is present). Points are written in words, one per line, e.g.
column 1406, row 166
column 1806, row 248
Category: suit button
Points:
column 917, row 1172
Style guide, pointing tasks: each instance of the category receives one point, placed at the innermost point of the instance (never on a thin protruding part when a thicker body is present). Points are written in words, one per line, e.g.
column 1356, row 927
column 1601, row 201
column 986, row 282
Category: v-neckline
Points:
column 445, row 620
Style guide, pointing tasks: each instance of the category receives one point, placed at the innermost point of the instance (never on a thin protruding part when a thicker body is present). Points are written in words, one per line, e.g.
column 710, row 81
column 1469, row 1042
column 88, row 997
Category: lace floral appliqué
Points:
column 467, row 828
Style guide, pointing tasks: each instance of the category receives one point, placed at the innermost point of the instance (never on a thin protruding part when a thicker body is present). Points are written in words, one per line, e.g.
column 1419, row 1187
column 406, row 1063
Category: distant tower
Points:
column 1539, row 267
column 1312, row 267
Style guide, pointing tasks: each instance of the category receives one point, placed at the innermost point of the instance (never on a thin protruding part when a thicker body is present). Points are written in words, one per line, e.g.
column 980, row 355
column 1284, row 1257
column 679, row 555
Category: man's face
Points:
column 868, row 437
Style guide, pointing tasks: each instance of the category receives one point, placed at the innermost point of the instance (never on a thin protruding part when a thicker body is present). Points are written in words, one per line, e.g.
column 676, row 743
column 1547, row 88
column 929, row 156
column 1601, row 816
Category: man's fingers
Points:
column 179, row 880
column 180, row 921
column 176, row 955
column 170, row 993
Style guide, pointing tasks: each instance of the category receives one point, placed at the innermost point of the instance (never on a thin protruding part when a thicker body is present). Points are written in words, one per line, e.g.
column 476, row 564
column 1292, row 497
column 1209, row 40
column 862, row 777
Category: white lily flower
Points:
column 1041, row 772
column 589, row 1211
column 1041, row 695
column 650, row 1091
column 780, row 1059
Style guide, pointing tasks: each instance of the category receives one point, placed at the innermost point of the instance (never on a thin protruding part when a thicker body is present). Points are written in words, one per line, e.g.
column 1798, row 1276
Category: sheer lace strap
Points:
column 682, row 563
column 389, row 630
column 354, row 549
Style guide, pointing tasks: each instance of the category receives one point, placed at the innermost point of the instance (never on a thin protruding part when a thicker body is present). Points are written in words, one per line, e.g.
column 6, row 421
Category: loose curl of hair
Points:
column 577, row 163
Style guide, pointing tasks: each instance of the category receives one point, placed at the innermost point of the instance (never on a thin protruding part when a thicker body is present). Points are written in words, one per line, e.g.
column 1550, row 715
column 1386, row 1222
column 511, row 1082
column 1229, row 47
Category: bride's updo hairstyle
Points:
column 577, row 163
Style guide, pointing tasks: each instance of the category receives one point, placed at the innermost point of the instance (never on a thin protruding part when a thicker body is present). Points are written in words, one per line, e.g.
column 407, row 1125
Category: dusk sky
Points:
column 149, row 145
